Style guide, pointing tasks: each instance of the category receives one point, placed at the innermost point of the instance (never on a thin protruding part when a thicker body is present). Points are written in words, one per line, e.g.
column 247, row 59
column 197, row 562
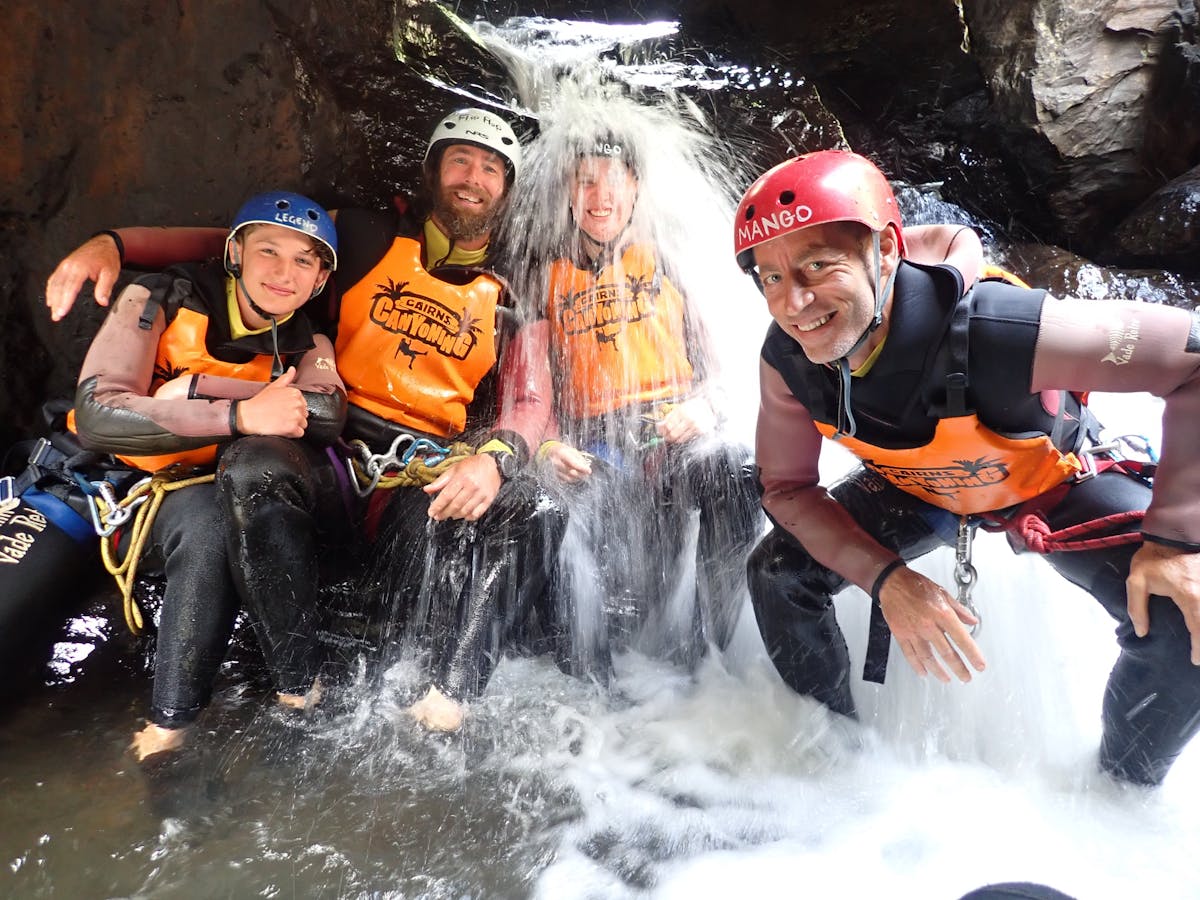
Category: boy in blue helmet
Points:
column 188, row 361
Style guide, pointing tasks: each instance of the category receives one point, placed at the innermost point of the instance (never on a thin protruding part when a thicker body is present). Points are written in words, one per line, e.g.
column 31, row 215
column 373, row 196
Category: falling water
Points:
column 667, row 784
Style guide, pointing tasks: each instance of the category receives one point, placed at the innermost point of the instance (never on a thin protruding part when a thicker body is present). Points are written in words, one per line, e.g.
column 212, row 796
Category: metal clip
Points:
column 1087, row 459
column 965, row 575
column 375, row 464
column 8, row 489
column 41, row 449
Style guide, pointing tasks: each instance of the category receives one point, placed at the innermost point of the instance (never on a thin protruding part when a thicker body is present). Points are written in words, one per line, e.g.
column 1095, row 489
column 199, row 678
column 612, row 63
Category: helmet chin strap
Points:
column 846, row 426
column 603, row 247
column 277, row 362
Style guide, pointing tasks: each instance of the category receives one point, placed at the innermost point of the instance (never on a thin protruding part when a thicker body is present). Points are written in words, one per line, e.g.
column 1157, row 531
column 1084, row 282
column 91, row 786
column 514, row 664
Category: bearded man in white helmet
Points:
column 432, row 363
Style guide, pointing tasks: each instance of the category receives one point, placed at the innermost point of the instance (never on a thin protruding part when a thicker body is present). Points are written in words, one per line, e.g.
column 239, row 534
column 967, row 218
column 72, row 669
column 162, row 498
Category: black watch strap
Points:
column 506, row 462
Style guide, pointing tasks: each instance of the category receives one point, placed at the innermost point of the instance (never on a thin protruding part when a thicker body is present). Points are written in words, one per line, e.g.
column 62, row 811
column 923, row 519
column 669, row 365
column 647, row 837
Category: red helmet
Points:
column 826, row 186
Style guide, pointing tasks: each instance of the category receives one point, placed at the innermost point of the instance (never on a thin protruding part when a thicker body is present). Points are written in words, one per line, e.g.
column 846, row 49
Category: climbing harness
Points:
column 420, row 463
column 141, row 503
column 1029, row 526
column 1027, row 523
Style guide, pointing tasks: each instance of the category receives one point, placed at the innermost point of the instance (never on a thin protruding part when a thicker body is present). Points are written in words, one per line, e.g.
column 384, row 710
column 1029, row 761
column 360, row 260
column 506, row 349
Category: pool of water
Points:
column 672, row 785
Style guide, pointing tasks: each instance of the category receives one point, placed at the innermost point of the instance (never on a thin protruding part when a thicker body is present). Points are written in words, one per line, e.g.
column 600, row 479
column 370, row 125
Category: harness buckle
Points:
column 8, row 490
column 40, row 454
column 1087, row 458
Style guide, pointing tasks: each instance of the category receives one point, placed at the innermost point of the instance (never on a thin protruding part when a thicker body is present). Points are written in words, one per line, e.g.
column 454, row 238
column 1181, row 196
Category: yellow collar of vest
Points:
column 870, row 360
column 437, row 249
column 237, row 328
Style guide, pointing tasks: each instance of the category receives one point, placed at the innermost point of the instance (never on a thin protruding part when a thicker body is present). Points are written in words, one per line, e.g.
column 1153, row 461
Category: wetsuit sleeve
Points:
column 222, row 387
column 956, row 247
column 524, row 391
column 157, row 248
column 318, row 379
column 788, row 449
column 114, row 412
column 1122, row 346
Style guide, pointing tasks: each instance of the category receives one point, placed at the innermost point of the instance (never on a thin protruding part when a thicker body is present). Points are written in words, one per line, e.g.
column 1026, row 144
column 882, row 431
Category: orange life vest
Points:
column 412, row 348
column 181, row 350
column 619, row 334
column 966, row 467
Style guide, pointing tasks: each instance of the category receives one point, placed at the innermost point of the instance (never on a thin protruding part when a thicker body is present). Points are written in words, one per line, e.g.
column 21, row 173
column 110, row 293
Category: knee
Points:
column 780, row 570
column 252, row 464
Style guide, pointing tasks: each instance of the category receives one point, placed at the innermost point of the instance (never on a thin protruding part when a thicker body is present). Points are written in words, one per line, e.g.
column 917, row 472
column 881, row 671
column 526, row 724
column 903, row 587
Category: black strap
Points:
column 958, row 378
column 166, row 293
column 879, row 645
column 879, row 635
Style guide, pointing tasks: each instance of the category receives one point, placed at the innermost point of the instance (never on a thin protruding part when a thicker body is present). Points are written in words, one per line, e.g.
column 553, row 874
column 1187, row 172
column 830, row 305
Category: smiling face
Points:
column 467, row 197
column 280, row 269
column 818, row 285
column 603, row 192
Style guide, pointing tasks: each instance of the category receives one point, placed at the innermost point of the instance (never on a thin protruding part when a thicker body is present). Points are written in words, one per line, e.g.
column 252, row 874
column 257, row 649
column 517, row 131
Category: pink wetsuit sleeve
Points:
column 788, row 448
column 114, row 410
column 157, row 248
column 525, row 386
column 1124, row 346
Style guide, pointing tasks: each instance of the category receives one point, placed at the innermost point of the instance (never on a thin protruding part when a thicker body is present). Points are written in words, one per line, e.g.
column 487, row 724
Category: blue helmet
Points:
column 287, row 210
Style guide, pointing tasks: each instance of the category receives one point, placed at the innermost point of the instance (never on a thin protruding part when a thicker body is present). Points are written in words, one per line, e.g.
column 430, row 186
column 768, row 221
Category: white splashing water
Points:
column 730, row 784
column 726, row 783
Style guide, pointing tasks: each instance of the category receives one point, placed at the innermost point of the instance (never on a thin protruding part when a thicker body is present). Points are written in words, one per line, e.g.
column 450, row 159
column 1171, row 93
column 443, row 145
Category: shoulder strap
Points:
column 167, row 293
column 958, row 377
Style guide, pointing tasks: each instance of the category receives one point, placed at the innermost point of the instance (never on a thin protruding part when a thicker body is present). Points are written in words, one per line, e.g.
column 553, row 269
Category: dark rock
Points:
column 1165, row 230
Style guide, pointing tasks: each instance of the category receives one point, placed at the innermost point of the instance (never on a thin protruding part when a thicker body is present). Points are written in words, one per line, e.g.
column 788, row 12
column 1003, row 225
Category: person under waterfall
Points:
column 435, row 363
column 187, row 361
column 965, row 408
column 640, row 441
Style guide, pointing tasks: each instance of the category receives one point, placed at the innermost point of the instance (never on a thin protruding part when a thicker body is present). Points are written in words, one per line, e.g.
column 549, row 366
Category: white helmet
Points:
column 479, row 127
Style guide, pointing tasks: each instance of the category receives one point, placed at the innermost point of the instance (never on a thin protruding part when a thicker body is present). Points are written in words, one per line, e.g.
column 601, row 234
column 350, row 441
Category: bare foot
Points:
column 155, row 739
column 437, row 712
column 302, row 701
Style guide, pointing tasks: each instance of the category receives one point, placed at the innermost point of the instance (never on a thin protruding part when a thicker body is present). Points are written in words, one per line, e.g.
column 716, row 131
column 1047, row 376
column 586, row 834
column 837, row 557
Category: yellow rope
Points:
column 416, row 473
column 124, row 572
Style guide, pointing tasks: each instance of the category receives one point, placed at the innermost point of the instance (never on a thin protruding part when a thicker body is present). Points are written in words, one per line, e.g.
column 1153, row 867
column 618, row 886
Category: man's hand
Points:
column 465, row 490
column 1169, row 572
column 568, row 463
column 689, row 419
column 277, row 409
column 927, row 623
column 97, row 259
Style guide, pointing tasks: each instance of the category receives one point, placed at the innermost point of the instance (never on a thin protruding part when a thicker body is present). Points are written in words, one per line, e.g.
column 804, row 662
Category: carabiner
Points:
column 965, row 575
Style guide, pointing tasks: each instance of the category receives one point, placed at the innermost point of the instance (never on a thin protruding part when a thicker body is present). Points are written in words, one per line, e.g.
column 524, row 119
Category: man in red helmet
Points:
column 423, row 333
column 964, row 408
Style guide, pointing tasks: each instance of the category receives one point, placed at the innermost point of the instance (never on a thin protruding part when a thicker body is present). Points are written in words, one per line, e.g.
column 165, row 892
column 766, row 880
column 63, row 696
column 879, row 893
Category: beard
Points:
column 462, row 224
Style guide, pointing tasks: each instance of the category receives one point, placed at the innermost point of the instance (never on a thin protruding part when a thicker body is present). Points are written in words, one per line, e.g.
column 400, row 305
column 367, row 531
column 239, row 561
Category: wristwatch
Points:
column 506, row 462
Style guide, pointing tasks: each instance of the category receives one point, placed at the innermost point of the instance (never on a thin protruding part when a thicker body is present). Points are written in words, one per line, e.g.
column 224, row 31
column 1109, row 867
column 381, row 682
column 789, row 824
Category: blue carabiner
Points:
column 431, row 451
